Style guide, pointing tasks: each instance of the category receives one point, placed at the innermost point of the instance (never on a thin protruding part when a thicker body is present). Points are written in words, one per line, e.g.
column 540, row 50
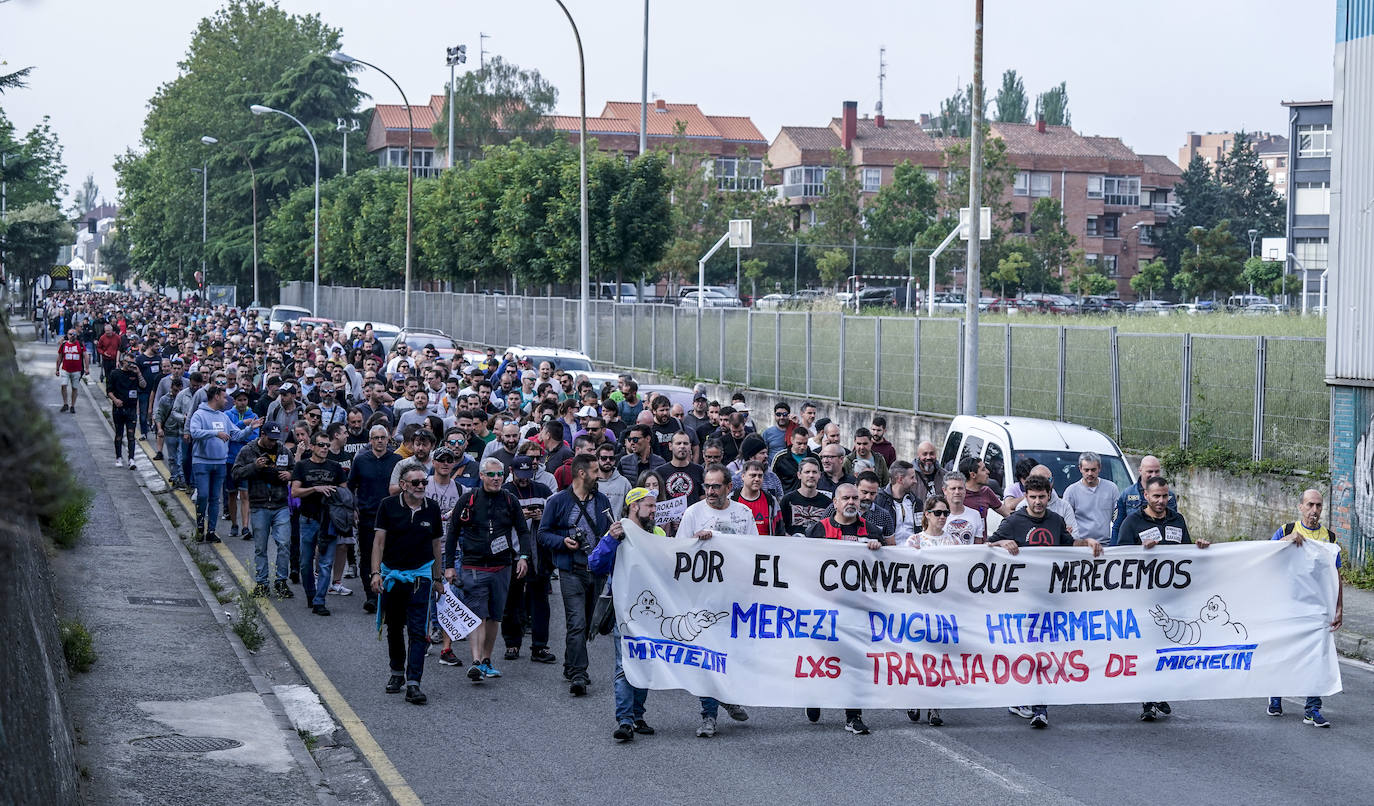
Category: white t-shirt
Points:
column 735, row 519
column 446, row 496
column 921, row 540
column 965, row 527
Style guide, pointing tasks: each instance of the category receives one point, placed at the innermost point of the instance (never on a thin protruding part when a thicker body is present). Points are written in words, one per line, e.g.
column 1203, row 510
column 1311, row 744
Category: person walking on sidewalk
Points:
column 1309, row 527
column 405, row 553
column 313, row 481
column 211, row 430
column 170, row 424
column 72, row 365
column 122, row 386
column 263, row 466
column 107, row 347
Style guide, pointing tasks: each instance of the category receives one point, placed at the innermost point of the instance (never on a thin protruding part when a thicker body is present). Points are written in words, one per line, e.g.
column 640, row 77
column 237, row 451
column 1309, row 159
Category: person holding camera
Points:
column 573, row 521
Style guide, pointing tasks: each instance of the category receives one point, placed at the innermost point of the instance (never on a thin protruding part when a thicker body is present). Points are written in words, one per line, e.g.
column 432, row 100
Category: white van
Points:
column 625, row 293
column 281, row 314
column 1001, row 442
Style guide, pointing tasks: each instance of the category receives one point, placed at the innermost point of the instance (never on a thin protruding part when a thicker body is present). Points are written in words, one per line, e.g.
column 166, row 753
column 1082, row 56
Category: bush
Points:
column 246, row 626
column 77, row 646
column 64, row 524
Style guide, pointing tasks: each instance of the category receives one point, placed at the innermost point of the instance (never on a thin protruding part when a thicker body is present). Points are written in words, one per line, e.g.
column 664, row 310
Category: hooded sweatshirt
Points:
column 207, row 448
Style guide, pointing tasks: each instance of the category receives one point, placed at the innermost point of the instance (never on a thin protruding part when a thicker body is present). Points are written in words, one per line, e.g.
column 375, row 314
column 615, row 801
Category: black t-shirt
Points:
column 680, row 481
column 799, row 512
column 409, row 532
column 312, row 474
column 1139, row 527
column 663, row 435
column 849, row 531
column 151, row 367
column 1020, row 527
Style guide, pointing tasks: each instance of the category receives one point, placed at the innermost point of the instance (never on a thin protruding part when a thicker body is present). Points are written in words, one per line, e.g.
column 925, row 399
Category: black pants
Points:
column 405, row 609
column 527, row 603
column 366, row 532
column 296, row 541
column 125, row 424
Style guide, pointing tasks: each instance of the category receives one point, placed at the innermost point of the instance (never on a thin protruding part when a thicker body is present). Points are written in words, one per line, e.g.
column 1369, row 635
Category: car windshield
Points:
column 417, row 341
column 1064, row 467
column 287, row 315
column 566, row 363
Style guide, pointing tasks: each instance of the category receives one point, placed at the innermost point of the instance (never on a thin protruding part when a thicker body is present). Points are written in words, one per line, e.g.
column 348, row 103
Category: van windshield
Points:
column 287, row 315
column 1064, row 466
column 567, row 364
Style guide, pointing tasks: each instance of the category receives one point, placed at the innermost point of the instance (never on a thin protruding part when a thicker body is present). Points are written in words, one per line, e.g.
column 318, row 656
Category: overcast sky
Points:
column 1147, row 73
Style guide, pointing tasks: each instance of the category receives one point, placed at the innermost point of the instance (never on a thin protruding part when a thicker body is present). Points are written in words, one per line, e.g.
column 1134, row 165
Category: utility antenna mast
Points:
column 882, row 74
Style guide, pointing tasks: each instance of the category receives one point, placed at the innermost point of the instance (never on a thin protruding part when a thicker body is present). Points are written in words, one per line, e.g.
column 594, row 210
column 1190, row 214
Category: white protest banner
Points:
column 454, row 616
column 797, row 622
column 670, row 511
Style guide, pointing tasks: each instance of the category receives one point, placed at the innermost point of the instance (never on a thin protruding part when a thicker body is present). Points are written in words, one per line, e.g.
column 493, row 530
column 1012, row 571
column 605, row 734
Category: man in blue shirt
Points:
column 1132, row 499
column 775, row 435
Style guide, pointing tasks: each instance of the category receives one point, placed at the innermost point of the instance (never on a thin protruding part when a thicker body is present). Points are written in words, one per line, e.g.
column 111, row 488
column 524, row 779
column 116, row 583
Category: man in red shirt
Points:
column 71, row 359
column 108, row 348
column 767, row 515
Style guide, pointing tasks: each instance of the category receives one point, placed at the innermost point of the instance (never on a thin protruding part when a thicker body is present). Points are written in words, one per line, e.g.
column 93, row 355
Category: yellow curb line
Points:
column 386, row 772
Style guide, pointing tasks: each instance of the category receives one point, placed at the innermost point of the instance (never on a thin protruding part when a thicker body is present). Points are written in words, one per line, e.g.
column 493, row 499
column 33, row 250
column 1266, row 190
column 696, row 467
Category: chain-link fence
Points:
column 1263, row 396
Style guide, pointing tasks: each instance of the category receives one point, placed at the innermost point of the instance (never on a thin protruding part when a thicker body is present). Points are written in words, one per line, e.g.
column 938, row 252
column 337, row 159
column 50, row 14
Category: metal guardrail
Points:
column 1262, row 396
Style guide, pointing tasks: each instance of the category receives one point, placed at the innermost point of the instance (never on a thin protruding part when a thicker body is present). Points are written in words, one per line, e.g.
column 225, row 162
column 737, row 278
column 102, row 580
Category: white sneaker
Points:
column 339, row 590
column 133, row 465
column 119, row 462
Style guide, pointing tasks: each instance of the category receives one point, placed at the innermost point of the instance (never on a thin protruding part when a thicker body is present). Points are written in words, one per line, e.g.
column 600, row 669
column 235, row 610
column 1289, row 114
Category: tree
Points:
column 956, row 113
column 494, row 105
column 1051, row 246
column 1089, row 280
column 833, row 266
column 1202, row 203
column 1264, row 276
column 1251, row 202
column 114, row 254
column 16, row 80
column 87, row 197
column 1011, row 99
column 902, row 209
column 753, row 270
column 247, row 52
column 1151, row 277
column 1184, row 283
column 1009, row 271
column 34, row 169
column 1053, row 105
column 32, row 237
column 1216, row 261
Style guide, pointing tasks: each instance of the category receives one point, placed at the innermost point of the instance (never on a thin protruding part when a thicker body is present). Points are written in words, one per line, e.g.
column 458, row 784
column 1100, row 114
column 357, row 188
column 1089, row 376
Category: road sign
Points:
column 45, row 281
column 741, row 233
column 984, row 223
column 221, row 295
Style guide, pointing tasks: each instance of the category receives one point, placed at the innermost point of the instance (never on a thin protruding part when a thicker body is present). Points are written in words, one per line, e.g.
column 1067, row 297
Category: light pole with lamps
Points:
column 339, row 57
column 204, row 171
column 259, row 109
column 455, row 56
column 346, row 125
column 582, row 185
column 1252, row 233
column 210, row 141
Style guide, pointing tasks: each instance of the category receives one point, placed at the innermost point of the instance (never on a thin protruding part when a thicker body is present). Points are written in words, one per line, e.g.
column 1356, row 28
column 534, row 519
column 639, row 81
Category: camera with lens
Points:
column 583, row 542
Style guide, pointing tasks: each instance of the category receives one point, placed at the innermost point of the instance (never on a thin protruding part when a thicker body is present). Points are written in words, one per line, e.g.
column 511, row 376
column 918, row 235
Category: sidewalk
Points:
column 1356, row 637
column 168, row 664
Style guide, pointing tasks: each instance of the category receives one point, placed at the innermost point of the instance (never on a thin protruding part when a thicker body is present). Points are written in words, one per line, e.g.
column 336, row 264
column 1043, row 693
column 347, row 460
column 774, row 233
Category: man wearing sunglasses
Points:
column 639, row 452
column 369, row 478
column 487, row 534
column 313, row 480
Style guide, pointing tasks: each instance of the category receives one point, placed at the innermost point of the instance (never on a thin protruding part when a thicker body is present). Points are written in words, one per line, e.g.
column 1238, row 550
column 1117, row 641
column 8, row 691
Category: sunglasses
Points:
column 455, row 442
column 939, row 513
column 416, row 482
column 633, row 439
column 493, row 474
column 321, row 444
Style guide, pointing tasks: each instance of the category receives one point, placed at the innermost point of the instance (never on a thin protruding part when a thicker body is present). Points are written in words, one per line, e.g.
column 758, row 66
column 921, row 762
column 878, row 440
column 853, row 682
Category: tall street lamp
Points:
column 346, row 125
column 210, row 141
column 454, row 56
column 340, row 57
column 259, row 109
column 582, row 186
column 204, row 171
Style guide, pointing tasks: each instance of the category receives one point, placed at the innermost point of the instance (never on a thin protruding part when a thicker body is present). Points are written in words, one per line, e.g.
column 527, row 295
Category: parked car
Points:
column 417, row 338
column 1001, row 442
column 316, row 322
column 1263, row 309
column 709, row 299
column 567, row 360
column 949, row 302
column 773, row 302
column 1152, row 306
column 679, row 395
column 258, row 312
column 877, row 296
column 1237, row 302
column 719, row 289
column 626, row 292
column 1204, row 306
column 281, row 314
column 385, row 333
column 1052, row 303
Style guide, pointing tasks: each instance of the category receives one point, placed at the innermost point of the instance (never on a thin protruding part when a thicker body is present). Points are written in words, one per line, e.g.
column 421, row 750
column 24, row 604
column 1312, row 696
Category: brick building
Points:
column 1114, row 200
column 720, row 137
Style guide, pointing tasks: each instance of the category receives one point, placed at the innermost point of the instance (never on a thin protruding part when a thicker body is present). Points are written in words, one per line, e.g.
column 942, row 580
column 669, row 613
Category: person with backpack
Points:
column 315, row 479
column 487, row 534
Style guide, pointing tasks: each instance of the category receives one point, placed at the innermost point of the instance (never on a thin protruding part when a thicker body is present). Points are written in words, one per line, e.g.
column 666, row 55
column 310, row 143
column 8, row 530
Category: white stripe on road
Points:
column 967, row 761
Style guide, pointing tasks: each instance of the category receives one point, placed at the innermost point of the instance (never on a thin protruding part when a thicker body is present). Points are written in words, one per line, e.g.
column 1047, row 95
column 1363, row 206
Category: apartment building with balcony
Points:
column 721, row 138
column 1115, row 201
column 1309, row 205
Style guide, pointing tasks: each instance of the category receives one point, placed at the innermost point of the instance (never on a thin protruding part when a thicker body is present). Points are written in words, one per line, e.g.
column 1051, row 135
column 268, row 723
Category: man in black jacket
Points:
column 122, row 387
column 488, row 530
column 528, row 601
column 265, row 466
column 369, row 477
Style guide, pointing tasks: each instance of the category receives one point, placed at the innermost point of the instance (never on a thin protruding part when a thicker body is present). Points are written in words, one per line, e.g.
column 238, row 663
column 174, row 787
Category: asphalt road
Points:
column 524, row 738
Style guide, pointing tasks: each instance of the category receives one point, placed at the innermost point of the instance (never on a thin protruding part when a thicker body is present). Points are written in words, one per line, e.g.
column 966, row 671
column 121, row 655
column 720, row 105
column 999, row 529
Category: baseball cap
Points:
column 639, row 494
column 287, row 387
column 523, row 467
column 311, row 372
column 271, row 430
column 587, row 411
column 240, row 392
column 443, row 454
column 700, row 396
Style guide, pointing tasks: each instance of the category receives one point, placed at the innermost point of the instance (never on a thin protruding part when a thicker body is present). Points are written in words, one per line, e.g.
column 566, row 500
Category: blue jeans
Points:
column 316, row 539
column 145, row 414
column 209, row 481
column 273, row 525
column 710, row 707
column 175, row 472
column 629, row 700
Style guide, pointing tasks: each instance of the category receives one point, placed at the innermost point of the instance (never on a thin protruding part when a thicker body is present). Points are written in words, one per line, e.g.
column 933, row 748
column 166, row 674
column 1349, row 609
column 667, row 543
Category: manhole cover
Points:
column 186, row 744
column 164, row 600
